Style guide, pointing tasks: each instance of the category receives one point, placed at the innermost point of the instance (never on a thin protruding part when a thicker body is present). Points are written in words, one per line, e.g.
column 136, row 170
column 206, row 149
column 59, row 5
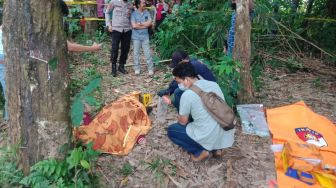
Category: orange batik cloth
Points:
column 117, row 126
column 297, row 123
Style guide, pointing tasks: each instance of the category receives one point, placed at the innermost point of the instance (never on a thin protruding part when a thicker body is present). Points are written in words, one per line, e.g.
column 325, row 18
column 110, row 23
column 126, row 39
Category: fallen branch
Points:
column 309, row 68
column 272, row 56
column 191, row 42
column 301, row 38
column 174, row 181
column 162, row 61
column 167, row 60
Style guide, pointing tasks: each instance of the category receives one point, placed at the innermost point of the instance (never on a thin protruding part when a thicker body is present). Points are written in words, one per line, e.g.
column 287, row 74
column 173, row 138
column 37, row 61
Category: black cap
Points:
column 178, row 56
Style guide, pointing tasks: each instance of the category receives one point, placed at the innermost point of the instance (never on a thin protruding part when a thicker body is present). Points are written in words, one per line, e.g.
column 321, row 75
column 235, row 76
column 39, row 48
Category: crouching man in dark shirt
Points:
column 201, row 69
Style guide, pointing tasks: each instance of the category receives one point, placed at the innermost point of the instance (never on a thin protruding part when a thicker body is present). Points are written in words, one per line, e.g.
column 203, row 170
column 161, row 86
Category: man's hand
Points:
column 147, row 24
column 109, row 28
column 183, row 120
column 96, row 47
column 166, row 99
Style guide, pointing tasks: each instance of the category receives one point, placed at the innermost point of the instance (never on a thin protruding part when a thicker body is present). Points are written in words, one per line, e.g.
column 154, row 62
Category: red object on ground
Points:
column 141, row 139
column 87, row 118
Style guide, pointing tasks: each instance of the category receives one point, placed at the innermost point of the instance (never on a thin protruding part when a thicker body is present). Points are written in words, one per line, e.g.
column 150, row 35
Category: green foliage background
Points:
column 201, row 26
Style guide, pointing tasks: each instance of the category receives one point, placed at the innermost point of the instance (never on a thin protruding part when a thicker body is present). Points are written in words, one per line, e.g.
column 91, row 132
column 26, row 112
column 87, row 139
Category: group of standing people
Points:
column 134, row 22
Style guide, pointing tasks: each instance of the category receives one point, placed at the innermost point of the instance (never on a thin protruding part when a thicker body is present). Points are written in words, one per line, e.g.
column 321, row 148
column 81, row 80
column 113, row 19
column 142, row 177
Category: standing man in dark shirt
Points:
column 201, row 69
column 121, row 29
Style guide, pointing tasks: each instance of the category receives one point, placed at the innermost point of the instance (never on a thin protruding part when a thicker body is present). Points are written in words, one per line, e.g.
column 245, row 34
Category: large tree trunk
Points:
column 242, row 50
column 37, row 96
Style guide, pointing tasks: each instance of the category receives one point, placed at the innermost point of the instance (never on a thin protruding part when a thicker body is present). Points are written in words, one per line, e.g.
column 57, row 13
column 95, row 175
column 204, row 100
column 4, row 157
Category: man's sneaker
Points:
column 137, row 72
column 150, row 72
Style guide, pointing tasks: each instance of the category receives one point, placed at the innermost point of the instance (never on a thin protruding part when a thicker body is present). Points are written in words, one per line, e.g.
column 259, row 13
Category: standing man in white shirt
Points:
column 121, row 29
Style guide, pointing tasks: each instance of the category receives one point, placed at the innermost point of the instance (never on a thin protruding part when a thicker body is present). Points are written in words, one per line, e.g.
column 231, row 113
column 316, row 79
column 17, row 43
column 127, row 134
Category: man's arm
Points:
column 108, row 21
column 141, row 25
column 185, row 109
column 183, row 120
column 148, row 23
column 74, row 47
column 144, row 25
column 138, row 25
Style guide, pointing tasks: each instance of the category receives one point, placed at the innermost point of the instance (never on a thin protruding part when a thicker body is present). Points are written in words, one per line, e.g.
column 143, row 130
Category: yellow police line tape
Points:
column 91, row 3
column 82, row 3
column 89, row 19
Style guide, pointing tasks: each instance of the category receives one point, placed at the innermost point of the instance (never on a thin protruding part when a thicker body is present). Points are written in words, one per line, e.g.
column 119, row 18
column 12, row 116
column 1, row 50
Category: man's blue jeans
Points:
column 178, row 135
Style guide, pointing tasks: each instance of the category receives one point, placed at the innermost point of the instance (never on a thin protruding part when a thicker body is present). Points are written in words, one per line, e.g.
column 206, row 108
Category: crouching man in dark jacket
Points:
column 201, row 69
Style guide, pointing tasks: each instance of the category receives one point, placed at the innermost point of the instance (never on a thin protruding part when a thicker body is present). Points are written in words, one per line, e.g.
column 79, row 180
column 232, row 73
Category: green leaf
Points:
column 58, row 170
column 77, row 111
column 52, row 169
column 53, row 63
column 85, row 164
column 75, row 157
column 90, row 100
column 91, row 86
column 24, row 181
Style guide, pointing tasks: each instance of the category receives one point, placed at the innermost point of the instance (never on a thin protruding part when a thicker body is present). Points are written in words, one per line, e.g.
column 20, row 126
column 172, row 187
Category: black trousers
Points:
column 125, row 39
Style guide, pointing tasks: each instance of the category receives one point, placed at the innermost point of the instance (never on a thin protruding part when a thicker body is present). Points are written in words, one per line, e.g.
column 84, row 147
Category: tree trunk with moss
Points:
column 37, row 95
column 242, row 50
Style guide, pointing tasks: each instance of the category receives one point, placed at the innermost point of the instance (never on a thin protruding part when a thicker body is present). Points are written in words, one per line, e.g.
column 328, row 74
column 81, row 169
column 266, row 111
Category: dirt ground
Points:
column 160, row 163
column 250, row 163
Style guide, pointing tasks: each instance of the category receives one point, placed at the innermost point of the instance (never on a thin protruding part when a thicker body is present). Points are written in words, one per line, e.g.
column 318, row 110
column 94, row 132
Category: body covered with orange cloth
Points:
column 117, row 126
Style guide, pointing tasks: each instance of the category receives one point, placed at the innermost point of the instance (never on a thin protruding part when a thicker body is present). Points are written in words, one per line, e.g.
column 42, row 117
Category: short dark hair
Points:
column 183, row 70
column 137, row 3
column 64, row 8
column 178, row 56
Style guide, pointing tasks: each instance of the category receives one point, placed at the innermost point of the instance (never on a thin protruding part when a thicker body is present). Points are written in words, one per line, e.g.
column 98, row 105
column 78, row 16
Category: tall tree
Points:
column 37, row 97
column 242, row 50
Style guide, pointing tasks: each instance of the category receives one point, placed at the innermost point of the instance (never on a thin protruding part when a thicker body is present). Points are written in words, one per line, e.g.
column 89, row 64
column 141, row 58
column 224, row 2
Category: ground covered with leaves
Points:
column 160, row 163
